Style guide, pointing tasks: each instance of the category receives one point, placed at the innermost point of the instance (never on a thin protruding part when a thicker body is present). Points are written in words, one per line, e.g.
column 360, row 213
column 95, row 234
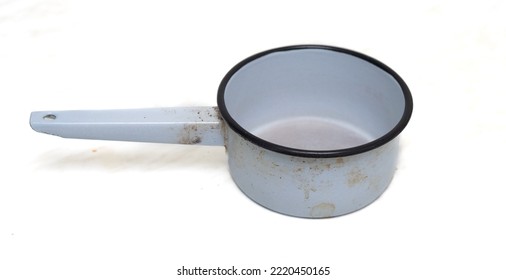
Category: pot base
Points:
column 313, row 133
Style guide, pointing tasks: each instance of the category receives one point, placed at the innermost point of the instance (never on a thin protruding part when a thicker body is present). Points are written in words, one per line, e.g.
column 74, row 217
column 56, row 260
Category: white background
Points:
column 76, row 209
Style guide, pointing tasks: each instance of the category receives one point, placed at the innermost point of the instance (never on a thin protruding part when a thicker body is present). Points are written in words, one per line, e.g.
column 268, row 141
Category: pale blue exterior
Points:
column 310, row 187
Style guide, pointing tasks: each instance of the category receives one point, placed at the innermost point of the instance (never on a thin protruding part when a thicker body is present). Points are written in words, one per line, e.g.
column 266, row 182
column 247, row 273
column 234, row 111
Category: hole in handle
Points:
column 49, row 117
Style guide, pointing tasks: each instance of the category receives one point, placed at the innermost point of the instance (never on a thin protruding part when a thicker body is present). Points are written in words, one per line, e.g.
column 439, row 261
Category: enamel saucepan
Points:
column 310, row 130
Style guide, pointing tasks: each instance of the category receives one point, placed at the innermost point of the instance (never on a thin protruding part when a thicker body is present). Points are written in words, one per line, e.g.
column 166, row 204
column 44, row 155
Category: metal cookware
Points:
column 310, row 130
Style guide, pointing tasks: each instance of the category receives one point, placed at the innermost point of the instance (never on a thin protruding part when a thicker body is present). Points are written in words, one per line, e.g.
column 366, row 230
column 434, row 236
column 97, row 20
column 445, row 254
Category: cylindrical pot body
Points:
column 311, row 131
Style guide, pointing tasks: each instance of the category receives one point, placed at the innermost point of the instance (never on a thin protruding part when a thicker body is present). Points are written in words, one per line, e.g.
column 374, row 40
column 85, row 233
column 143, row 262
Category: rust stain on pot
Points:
column 188, row 135
column 355, row 176
column 196, row 140
column 260, row 156
column 339, row 162
column 190, row 141
column 323, row 210
column 307, row 190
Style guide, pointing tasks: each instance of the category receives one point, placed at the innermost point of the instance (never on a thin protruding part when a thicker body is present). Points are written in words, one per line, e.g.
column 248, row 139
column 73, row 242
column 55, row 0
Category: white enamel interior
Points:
column 314, row 99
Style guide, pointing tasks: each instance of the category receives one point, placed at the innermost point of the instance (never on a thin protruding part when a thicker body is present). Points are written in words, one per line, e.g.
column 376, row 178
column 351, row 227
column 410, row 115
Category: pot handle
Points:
column 177, row 125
